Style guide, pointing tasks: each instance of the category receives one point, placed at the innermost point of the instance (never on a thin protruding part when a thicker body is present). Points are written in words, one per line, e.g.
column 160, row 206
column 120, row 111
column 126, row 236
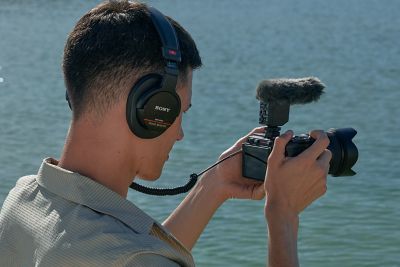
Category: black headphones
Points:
column 153, row 103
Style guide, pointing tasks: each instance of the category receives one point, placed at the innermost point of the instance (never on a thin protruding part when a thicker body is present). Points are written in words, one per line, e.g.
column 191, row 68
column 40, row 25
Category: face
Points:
column 160, row 147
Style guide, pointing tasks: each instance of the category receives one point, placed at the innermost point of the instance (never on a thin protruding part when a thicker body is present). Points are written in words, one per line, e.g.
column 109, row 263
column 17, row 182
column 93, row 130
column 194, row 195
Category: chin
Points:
column 150, row 176
column 151, row 170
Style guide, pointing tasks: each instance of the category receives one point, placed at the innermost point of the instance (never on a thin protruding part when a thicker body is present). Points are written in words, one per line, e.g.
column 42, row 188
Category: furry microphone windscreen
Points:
column 294, row 91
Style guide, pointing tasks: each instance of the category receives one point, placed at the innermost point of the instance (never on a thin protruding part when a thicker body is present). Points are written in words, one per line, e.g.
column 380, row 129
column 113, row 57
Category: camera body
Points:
column 275, row 97
column 258, row 148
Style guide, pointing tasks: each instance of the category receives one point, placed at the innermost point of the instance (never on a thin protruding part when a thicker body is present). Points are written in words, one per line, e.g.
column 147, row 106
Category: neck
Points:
column 98, row 153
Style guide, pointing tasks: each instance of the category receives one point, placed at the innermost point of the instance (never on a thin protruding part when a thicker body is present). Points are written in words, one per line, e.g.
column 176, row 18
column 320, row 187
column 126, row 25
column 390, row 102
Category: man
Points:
column 74, row 212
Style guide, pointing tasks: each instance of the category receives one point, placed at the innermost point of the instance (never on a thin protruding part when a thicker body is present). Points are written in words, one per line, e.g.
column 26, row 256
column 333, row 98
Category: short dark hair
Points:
column 111, row 45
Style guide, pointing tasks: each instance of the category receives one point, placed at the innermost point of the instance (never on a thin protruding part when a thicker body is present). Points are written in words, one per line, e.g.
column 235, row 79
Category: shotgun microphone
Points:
column 293, row 91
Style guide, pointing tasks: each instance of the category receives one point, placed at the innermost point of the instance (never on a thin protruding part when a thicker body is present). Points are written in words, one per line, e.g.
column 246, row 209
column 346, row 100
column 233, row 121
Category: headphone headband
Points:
column 169, row 40
column 170, row 48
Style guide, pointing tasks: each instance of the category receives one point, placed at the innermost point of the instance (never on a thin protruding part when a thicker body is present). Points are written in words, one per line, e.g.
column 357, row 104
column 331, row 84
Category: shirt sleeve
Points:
column 145, row 260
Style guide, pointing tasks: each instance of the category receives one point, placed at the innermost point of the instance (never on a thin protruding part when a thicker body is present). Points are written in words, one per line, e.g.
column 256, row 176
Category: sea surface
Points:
column 353, row 46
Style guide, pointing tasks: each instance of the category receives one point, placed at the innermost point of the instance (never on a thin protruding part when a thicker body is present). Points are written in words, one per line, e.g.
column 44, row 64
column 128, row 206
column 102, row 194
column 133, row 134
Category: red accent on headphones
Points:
column 172, row 52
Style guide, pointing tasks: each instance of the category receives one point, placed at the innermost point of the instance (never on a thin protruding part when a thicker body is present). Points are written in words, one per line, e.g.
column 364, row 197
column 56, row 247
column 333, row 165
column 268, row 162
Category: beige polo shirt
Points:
column 61, row 218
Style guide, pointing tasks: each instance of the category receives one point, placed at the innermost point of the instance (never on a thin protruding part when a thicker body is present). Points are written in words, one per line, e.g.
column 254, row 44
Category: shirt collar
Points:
column 85, row 191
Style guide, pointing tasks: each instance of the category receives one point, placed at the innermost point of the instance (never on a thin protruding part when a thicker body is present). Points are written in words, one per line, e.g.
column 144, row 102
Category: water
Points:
column 352, row 46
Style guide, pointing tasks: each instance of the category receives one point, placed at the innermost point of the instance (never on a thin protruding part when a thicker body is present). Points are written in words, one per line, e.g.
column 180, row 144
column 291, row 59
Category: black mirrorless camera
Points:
column 275, row 97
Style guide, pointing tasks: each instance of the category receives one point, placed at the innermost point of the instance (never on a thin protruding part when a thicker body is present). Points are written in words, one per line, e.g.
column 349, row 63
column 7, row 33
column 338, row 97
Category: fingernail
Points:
column 289, row 132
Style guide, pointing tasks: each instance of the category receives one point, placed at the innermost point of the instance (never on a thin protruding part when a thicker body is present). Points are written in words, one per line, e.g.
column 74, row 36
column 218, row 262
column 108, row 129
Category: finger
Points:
column 249, row 190
column 319, row 190
column 315, row 184
column 278, row 151
column 316, row 149
column 258, row 192
column 244, row 138
column 325, row 158
column 316, row 133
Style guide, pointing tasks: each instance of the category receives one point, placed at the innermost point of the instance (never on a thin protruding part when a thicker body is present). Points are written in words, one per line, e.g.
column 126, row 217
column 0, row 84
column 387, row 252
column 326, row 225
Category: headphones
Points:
column 153, row 104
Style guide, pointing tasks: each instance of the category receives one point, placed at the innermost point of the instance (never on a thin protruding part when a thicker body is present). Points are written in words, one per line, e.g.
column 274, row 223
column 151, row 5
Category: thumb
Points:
column 278, row 152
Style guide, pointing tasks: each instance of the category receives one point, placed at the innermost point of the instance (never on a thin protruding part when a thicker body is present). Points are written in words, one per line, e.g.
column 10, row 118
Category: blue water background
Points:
column 353, row 46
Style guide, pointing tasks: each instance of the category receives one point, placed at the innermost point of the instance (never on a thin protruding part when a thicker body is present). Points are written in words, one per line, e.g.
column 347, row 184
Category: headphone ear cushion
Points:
column 150, row 110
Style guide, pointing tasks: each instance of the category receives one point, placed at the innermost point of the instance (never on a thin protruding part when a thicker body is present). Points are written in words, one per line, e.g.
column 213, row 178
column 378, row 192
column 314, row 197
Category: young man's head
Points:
column 110, row 48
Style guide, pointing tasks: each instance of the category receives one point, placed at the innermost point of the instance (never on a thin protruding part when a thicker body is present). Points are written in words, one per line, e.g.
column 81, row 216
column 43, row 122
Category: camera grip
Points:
column 298, row 144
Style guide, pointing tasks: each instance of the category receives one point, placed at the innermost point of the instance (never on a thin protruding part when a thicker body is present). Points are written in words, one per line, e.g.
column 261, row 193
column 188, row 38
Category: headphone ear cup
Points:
column 160, row 111
column 150, row 110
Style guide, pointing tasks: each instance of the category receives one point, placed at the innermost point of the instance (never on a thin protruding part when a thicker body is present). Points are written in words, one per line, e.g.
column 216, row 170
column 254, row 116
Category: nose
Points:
column 180, row 135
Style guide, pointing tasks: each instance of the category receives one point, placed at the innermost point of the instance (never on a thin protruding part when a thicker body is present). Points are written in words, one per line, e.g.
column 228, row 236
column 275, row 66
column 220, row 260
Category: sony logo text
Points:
column 162, row 108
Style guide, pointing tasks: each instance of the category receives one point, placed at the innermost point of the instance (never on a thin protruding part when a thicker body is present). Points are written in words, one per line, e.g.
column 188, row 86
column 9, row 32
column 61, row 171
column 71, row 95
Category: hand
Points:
column 218, row 184
column 291, row 184
column 227, row 177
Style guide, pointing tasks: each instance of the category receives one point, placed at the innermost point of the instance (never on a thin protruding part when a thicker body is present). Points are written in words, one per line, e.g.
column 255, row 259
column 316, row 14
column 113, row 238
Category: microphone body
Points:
column 293, row 91
column 276, row 96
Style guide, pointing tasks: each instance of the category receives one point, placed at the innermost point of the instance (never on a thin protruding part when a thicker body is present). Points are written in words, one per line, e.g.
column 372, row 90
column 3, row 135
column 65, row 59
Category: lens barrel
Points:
column 344, row 151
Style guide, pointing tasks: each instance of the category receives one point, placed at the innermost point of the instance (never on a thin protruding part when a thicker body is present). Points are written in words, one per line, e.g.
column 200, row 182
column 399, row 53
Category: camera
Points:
column 275, row 97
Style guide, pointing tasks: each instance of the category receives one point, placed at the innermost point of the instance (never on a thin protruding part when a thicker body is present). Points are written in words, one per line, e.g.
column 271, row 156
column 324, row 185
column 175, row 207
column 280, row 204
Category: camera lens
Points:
column 344, row 151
